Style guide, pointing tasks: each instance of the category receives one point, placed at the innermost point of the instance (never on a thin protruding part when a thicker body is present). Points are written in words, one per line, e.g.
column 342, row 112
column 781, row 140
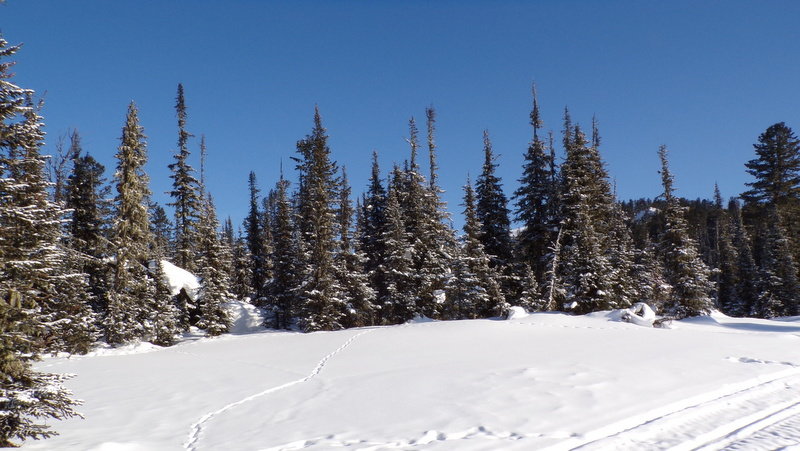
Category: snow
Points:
column 180, row 279
column 536, row 381
column 517, row 312
column 640, row 314
column 247, row 318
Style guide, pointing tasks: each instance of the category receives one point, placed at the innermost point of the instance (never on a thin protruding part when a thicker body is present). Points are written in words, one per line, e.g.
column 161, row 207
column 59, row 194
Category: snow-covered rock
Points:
column 180, row 279
column 640, row 314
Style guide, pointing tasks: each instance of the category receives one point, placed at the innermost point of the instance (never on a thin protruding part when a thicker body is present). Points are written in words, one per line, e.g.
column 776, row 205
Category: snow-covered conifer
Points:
column 474, row 291
column 29, row 260
column 535, row 201
column 185, row 193
column 359, row 309
column 132, row 287
column 214, row 280
column 320, row 296
column 683, row 269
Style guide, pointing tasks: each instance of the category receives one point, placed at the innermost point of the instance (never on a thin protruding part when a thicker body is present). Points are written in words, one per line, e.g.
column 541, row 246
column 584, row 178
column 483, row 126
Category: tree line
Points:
column 81, row 257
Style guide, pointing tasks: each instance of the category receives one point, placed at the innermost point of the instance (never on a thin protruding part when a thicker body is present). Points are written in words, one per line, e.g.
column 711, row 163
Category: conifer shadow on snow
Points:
column 759, row 326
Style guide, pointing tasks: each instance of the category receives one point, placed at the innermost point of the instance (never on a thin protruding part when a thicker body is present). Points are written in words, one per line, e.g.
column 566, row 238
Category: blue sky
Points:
column 704, row 78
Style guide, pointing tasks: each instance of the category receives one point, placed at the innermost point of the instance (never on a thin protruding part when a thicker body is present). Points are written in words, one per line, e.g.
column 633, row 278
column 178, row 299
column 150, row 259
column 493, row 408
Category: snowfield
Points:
column 540, row 381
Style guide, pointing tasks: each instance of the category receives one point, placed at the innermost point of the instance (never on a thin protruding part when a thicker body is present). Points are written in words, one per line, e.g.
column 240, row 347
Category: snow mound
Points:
column 420, row 319
column 246, row 318
column 640, row 314
column 180, row 279
column 142, row 347
column 517, row 312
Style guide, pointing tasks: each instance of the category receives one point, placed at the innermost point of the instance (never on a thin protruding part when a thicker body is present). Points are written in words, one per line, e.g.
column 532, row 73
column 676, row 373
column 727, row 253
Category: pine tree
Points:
column 776, row 168
column 728, row 277
column 648, row 274
column 214, row 281
column 25, row 395
column 492, row 210
column 779, row 288
column 621, row 254
column 399, row 303
column 280, row 291
column 529, row 296
column 132, row 286
column 475, row 291
column 162, row 318
column 370, row 240
column 321, row 299
column 185, row 192
column 430, row 240
column 241, row 270
column 585, row 270
column 359, row 296
column 535, row 201
column 87, row 197
column 161, row 228
column 746, row 288
column 35, row 257
column 683, row 269
column 255, row 244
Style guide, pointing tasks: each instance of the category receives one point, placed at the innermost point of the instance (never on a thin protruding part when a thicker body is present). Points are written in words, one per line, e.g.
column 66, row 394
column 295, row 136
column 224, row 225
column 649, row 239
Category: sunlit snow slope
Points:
column 542, row 381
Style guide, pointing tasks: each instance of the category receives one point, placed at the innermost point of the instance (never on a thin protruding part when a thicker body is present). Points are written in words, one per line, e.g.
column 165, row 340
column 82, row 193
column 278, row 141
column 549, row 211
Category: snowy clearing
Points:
column 541, row 381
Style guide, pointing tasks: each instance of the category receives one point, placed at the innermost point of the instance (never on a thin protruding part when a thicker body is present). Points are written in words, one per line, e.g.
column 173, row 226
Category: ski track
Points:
column 738, row 416
column 197, row 428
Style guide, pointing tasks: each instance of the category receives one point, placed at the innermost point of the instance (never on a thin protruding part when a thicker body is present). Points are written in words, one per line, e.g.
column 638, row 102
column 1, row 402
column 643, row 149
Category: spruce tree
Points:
column 431, row 241
column 475, row 291
column 214, row 281
column 776, row 168
column 185, row 192
column 321, row 298
column 280, row 292
column 359, row 296
column 370, row 240
column 746, row 287
column 399, row 304
column 35, row 256
column 492, row 209
column 132, row 287
column 241, row 267
column 585, row 270
column 161, row 315
column 648, row 274
column 535, row 201
column 621, row 254
column 255, row 244
column 779, row 290
column 87, row 197
column 728, row 277
column 25, row 395
column 684, row 271
column 161, row 228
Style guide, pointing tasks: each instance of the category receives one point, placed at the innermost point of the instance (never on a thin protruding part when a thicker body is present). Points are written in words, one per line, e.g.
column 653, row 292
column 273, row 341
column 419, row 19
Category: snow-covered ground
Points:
column 542, row 381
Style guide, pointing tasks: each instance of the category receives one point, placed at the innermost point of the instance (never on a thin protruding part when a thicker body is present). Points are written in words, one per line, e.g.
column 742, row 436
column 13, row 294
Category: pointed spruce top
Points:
column 536, row 119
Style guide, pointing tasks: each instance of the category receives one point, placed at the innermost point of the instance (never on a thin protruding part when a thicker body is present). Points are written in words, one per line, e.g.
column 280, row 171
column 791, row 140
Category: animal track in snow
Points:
column 197, row 427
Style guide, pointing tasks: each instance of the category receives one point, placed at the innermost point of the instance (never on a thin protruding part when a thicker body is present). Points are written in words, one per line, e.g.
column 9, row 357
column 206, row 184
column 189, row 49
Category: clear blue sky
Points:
column 705, row 78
